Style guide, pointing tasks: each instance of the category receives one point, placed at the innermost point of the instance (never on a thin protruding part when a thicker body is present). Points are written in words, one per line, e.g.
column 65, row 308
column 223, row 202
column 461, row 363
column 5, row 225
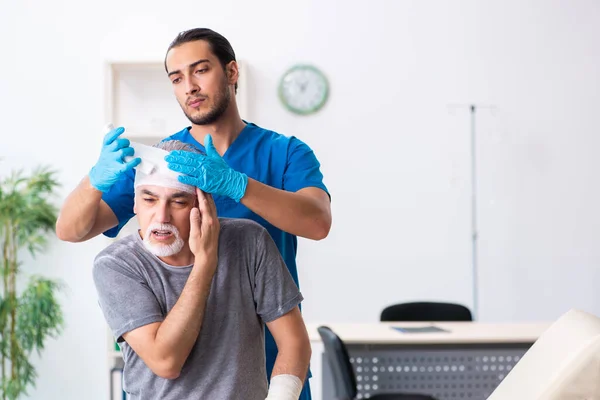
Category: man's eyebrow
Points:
column 179, row 195
column 192, row 65
column 149, row 193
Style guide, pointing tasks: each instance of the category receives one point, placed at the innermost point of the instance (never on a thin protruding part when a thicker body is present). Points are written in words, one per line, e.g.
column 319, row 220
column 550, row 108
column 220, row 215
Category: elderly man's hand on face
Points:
column 204, row 231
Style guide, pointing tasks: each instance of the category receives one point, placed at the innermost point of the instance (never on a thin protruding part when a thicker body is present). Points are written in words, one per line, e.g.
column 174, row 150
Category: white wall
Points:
column 396, row 161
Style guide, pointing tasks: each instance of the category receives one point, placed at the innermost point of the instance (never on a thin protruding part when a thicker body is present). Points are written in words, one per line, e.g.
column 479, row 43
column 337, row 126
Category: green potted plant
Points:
column 29, row 314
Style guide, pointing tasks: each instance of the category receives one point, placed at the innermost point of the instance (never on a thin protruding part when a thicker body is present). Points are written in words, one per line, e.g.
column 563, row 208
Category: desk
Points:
column 466, row 362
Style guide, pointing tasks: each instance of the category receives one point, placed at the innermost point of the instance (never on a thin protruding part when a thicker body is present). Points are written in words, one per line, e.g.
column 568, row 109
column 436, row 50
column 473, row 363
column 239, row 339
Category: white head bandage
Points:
column 154, row 170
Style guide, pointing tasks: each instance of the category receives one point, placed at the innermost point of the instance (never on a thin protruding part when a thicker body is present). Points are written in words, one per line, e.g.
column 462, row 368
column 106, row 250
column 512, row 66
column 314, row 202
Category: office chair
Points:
column 344, row 379
column 426, row 311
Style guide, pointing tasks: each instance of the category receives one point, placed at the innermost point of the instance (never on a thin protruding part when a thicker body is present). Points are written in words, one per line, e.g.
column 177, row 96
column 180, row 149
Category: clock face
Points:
column 303, row 89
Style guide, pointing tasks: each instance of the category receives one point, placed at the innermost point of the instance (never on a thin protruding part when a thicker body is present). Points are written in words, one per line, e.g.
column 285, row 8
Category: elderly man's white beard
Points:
column 163, row 249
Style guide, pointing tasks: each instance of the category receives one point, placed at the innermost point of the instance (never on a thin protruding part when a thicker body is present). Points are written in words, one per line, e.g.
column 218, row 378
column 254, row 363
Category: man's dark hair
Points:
column 219, row 45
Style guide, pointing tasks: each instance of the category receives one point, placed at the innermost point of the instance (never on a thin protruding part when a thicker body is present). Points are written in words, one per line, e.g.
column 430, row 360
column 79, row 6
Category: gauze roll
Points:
column 154, row 170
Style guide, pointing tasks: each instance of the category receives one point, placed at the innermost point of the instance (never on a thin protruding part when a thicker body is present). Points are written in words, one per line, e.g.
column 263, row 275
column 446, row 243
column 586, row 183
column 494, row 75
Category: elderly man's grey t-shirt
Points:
column 251, row 285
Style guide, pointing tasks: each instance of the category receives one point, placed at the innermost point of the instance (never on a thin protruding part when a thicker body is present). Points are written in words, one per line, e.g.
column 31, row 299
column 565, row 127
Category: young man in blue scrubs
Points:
column 250, row 171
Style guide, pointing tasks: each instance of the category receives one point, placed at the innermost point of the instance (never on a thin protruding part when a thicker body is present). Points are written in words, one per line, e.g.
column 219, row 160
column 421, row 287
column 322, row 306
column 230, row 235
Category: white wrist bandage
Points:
column 284, row 387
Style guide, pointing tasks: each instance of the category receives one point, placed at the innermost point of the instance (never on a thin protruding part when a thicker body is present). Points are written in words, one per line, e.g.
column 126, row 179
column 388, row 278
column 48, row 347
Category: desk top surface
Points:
column 457, row 332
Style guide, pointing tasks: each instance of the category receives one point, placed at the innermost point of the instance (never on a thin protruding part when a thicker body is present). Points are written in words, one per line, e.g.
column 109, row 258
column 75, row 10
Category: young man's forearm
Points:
column 179, row 331
column 305, row 213
column 79, row 213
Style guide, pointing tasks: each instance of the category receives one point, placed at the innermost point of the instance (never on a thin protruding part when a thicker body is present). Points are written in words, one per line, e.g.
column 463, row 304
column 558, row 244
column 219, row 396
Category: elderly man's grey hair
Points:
column 172, row 144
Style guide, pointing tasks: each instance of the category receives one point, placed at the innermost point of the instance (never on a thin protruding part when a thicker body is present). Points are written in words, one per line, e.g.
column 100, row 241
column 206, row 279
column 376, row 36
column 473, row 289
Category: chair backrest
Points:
column 563, row 364
column 344, row 380
column 426, row 311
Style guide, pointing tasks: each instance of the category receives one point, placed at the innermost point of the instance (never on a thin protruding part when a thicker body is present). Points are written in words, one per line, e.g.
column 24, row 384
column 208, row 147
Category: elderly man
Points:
column 187, row 297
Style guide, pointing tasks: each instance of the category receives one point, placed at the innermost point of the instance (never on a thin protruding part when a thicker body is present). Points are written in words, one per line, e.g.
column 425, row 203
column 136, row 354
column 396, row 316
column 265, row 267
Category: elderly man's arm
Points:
column 293, row 358
column 164, row 346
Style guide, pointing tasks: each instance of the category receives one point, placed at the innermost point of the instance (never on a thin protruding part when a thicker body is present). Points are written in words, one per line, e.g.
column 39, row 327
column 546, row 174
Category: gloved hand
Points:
column 208, row 172
column 110, row 165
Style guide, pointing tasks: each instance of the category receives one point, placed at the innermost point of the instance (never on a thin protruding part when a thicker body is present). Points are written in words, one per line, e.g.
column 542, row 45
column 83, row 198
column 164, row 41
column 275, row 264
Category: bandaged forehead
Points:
column 154, row 170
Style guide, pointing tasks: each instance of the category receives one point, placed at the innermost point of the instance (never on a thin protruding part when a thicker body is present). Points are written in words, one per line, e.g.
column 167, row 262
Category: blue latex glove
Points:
column 110, row 165
column 208, row 172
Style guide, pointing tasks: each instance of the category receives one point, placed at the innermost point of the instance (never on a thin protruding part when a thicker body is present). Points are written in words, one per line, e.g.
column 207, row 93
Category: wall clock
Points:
column 303, row 89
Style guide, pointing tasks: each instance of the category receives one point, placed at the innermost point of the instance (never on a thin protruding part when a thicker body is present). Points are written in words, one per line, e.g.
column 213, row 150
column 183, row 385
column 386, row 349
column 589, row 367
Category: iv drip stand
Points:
column 474, row 229
column 474, row 232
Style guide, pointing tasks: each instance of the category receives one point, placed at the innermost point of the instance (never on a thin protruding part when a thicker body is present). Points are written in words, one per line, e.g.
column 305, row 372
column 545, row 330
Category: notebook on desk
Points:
column 419, row 329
